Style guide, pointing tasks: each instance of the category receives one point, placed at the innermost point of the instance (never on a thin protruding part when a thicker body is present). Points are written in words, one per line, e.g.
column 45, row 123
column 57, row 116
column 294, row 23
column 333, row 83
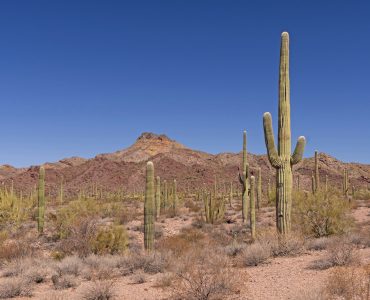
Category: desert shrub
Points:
column 67, row 217
column 348, row 283
column 35, row 274
column 71, row 265
column 99, row 290
column 61, row 282
column 362, row 194
column 255, row 254
column 15, row 249
column 139, row 278
column 318, row 244
column 234, row 248
column 182, row 242
column 340, row 252
column 150, row 263
column 203, row 275
column 110, row 240
column 164, row 281
column 322, row 214
column 14, row 287
column 282, row 245
column 191, row 205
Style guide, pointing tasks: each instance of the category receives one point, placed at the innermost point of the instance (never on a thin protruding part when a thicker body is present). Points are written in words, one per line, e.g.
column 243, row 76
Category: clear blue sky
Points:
column 87, row 77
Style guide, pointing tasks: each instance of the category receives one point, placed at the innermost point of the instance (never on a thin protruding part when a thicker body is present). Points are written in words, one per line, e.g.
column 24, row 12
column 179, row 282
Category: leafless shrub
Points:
column 10, row 250
column 165, row 280
column 348, row 283
column 255, row 254
column 203, row 275
column 99, row 290
column 139, row 277
column 71, row 265
column 234, row 249
column 318, row 244
column 66, row 281
column 340, row 252
column 14, row 287
column 287, row 245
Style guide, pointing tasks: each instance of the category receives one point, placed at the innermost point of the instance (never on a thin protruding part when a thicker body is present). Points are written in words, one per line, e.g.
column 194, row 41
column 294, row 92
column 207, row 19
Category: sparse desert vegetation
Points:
column 189, row 234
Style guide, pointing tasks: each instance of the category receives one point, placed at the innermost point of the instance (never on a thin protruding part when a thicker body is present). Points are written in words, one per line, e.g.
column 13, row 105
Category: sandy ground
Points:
column 280, row 278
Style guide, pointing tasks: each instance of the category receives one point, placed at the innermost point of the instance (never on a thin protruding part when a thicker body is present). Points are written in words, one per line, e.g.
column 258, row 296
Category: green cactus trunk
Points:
column 326, row 183
column 313, row 184
column 317, row 176
column 281, row 158
column 259, row 188
column 243, row 178
column 174, row 197
column 41, row 201
column 165, row 194
column 252, row 208
column 61, row 192
column 149, row 208
column 231, row 195
column 158, row 198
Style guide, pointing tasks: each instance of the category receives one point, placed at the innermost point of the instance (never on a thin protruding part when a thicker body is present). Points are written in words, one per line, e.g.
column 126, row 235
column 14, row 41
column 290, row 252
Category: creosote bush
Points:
column 321, row 214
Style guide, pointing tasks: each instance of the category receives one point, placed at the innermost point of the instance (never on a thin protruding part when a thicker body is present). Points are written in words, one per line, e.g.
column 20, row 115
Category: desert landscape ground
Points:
column 159, row 220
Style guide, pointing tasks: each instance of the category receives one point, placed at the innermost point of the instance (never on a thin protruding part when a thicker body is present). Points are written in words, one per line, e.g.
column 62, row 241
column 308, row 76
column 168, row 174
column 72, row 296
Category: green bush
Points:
column 321, row 214
column 110, row 240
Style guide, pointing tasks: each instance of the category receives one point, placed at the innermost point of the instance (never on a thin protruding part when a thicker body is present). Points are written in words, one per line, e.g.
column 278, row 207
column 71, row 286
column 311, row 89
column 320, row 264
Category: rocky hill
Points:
column 125, row 169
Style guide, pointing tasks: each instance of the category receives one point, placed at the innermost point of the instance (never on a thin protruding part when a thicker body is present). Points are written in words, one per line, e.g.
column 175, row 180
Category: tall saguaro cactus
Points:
column 149, row 208
column 253, row 208
column 243, row 178
column 41, row 200
column 281, row 158
column 259, row 188
column 317, row 176
column 158, row 198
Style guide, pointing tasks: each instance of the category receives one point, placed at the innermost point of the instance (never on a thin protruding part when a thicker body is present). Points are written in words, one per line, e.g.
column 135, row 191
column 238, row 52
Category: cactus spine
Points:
column 281, row 158
column 253, row 209
column 149, row 208
column 259, row 188
column 158, row 198
column 243, row 178
column 41, row 201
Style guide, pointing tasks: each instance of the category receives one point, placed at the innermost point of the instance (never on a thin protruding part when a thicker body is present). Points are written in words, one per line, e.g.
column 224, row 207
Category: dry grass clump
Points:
column 282, row 245
column 204, row 275
column 234, row 249
column 255, row 254
column 99, row 290
column 318, row 244
column 165, row 280
column 15, row 249
column 66, row 281
column 348, row 283
column 340, row 252
column 71, row 265
column 139, row 277
column 14, row 287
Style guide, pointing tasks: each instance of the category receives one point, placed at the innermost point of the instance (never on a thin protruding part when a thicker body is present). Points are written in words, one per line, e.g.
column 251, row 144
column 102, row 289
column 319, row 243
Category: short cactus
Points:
column 41, row 201
column 244, row 178
column 317, row 176
column 259, row 188
column 174, row 196
column 252, row 208
column 281, row 158
column 158, row 198
column 149, row 208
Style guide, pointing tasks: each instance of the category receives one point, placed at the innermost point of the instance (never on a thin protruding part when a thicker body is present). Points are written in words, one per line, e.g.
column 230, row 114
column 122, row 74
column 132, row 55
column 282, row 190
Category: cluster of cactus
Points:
column 169, row 196
column 244, row 179
column 281, row 158
column 214, row 206
column 149, row 207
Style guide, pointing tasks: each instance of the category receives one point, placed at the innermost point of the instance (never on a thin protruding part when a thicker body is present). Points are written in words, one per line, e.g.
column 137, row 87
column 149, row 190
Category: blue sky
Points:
column 87, row 77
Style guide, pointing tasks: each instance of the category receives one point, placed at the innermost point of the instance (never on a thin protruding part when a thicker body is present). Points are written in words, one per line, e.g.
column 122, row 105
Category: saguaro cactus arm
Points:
column 298, row 151
column 270, row 142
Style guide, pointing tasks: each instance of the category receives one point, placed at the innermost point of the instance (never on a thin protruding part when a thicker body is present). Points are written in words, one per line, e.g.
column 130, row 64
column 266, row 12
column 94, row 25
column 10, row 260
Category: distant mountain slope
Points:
column 124, row 169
